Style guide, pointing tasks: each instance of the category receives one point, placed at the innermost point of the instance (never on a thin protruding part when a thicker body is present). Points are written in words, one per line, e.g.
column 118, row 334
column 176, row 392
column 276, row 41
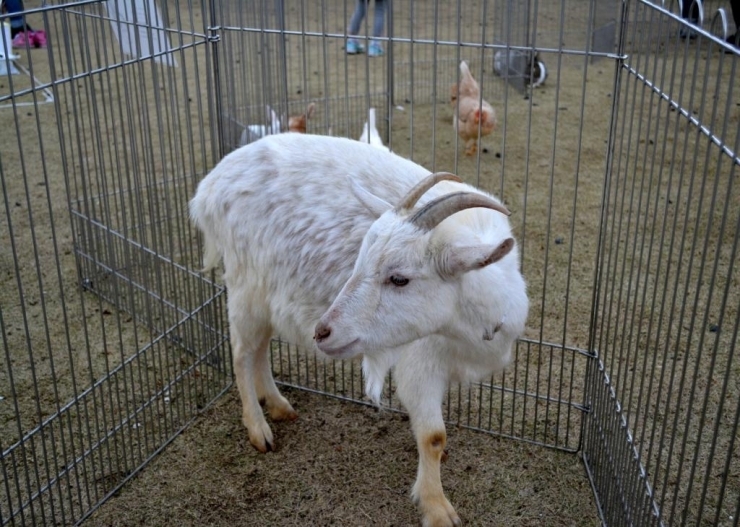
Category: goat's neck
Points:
column 480, row 315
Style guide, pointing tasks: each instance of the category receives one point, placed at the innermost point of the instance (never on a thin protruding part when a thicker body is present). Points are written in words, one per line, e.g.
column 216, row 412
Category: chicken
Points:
column 470, row 111
column 297, row 123
column 370, row 133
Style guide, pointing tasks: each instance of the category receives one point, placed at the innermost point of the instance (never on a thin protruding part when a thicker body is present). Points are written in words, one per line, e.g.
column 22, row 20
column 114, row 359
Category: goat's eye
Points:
column 398, row 281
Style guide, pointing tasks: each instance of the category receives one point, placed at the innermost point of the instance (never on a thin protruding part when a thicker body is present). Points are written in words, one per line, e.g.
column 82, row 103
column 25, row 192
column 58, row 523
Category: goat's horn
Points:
column 408, row 202
column 432, row 214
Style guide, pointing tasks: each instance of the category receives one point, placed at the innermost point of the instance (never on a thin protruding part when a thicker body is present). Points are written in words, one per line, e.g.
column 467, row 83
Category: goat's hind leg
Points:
column 250, row 341
column 276, row 405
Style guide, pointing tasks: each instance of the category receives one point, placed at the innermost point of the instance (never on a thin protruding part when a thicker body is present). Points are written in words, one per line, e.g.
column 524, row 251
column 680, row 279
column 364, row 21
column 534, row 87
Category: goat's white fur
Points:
column 253, row 132
column 295, row 220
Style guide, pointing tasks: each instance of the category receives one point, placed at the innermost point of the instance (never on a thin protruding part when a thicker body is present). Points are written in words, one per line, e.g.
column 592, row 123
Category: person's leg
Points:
column 735, row 7
column 353, row 45
column 379, row 21
column 734, row 38
column 17, row 23
column 690, row 13
column 375, row 48
column 357, row 17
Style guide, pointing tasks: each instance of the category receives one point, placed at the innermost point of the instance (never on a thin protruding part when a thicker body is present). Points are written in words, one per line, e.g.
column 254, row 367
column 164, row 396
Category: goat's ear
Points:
column 459, row 260
column 377, row 206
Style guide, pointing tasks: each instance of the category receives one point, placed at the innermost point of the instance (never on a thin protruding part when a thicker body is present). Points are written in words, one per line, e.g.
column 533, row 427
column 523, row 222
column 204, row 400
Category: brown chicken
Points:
column 297, row 123
column 471, row 113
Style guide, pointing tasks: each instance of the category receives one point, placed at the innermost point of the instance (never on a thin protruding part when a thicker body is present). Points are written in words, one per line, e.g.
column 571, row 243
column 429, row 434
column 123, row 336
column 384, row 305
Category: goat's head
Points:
column 406, row 282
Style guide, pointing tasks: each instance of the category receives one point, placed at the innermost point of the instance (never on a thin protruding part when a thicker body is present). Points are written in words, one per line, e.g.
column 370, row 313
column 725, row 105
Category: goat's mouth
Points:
column 344, row 351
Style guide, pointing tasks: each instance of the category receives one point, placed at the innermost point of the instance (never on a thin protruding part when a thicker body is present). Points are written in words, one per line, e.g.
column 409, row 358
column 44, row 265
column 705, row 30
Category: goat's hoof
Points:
column 282, row 411
column 279, row 414
column 439, row 513
column 261, row 438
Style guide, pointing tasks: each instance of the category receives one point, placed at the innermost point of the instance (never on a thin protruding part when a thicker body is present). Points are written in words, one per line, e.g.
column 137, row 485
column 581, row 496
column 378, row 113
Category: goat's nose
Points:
column 322, row 332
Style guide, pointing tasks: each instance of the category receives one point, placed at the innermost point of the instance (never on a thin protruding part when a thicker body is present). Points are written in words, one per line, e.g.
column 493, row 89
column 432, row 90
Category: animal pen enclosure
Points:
column 621, row 171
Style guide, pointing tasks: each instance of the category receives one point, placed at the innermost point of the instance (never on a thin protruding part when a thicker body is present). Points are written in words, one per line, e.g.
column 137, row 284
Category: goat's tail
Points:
column 202, row 219
column 211, row 256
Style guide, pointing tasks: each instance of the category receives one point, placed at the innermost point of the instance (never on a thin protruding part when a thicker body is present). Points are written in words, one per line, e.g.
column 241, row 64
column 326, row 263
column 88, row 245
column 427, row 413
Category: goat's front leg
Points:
column 422, row 396
column 427, row 493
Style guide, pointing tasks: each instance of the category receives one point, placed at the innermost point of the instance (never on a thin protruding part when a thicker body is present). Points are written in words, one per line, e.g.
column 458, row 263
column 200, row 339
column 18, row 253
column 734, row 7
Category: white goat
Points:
column 314, row 251
column 253, row 132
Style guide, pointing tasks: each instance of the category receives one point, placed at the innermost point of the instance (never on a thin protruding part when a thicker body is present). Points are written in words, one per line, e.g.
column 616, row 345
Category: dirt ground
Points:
column 344, row 464
column 130, row 132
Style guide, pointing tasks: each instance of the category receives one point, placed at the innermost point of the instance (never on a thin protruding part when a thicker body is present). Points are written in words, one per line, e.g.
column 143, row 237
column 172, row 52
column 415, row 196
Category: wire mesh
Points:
column 545, row 155
column 111, row 343
column 628, row 228
column 661, row 443
column 299, row 48
column 519, row 404
column 301, row 59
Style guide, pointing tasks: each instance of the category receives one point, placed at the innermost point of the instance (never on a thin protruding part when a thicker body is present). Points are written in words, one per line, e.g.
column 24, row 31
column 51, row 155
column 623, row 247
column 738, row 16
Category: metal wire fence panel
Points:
column 619, row 164
column 111, row 343
column 659, row 123
column 538, row 160
column 499, row 38
column 661, row 440
column 282, row 56
column 524, row 403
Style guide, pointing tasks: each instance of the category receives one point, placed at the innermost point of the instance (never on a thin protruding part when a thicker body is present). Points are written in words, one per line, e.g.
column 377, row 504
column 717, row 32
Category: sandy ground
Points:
column 343, row 464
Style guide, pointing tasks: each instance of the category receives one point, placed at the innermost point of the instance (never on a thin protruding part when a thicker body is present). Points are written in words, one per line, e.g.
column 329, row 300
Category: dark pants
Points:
column 693, row 14
column 735, row 7
column 690, row 12
column 15, row 6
